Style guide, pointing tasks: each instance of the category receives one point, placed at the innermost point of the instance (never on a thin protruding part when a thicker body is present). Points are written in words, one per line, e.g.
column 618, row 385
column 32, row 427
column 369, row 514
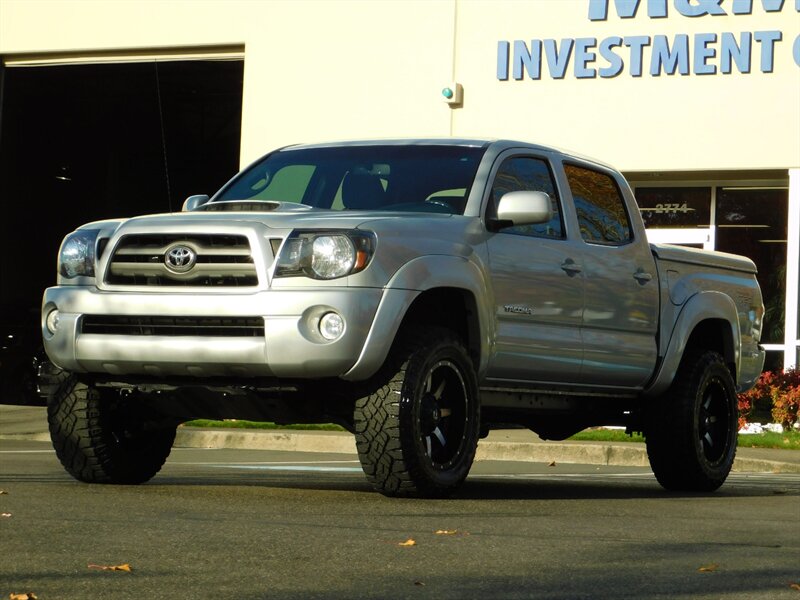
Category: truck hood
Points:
column 286, row 219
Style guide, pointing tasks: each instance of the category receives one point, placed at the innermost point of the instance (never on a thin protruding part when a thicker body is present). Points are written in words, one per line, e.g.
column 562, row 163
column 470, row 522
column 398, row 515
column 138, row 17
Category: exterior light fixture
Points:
column 453, row 94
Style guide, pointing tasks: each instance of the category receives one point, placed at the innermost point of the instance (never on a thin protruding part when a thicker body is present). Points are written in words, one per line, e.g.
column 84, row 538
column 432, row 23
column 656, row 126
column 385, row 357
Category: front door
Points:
column 538, row 286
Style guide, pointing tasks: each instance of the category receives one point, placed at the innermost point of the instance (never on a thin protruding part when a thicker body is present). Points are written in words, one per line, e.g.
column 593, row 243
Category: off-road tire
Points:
column 49, row 378
column 691, row 432
column 99, row 439
column 417, row 431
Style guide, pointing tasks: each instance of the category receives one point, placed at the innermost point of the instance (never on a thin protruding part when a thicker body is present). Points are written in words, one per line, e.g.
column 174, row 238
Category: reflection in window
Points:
column 675, row 207
column 286, row 185
column 753, row 222
column 601, row 210
column 521, row 173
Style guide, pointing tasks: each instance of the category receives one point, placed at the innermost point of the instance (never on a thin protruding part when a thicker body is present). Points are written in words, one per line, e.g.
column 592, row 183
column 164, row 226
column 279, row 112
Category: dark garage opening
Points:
column 80, row 143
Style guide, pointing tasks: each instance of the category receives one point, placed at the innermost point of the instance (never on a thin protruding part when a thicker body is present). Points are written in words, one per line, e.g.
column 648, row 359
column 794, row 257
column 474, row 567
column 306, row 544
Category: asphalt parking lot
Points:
column 258, row 523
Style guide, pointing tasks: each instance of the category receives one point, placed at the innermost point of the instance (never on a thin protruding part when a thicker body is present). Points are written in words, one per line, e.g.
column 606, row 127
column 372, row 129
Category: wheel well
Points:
column 716, row 335
column 452, row 308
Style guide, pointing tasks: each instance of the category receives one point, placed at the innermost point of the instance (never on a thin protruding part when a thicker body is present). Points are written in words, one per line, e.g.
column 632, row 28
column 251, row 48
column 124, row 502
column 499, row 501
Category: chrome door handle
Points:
column 570, row 267
column 642, row 277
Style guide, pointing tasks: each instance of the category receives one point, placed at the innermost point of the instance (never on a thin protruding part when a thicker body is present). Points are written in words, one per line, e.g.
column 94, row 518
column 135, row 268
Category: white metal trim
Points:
column 124, row 56
column 791, row 343
column 701, row 235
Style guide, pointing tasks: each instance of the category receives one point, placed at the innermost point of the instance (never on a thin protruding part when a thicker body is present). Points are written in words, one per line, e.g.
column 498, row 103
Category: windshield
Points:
column 427, row 178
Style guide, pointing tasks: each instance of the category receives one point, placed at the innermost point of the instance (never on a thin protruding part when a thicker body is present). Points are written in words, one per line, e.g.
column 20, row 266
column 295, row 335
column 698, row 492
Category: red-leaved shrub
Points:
column 778, row 392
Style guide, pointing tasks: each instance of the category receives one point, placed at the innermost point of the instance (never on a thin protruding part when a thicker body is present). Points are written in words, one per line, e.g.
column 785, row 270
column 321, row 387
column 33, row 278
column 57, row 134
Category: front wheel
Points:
column 100, row 438
column 417, row 433
column 692, row 430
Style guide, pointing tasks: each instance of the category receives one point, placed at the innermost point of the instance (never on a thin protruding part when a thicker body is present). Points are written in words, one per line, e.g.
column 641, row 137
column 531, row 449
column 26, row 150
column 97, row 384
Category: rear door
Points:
column 620, row 314
column 538, row 283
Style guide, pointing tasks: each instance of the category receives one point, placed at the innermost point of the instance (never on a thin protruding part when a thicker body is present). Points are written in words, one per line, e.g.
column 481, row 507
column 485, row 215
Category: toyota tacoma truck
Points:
column 418, row 293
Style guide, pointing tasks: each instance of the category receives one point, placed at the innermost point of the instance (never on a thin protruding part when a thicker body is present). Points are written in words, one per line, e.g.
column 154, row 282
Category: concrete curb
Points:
column 254, row 439
column 621, row 455
column 548, row 452
column 30, row 424
column 26, row 437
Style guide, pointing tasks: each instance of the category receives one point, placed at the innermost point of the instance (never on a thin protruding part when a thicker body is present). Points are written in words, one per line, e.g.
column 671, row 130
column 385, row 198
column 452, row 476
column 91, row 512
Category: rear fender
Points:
column 703, row 306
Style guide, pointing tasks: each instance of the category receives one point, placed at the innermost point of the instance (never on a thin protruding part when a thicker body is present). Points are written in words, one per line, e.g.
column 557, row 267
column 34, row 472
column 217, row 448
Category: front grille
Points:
column 173, row 326
column 220, row 261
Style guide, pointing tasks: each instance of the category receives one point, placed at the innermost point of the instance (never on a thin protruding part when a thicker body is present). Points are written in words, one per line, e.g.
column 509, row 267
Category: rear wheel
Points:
column 692, row 429
column 100, row 438
column 417, row 433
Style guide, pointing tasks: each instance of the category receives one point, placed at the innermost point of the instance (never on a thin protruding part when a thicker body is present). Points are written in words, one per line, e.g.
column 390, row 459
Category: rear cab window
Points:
column 602, row 215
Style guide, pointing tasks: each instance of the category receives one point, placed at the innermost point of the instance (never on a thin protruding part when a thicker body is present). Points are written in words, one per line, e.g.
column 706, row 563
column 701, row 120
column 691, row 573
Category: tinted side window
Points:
column 521, row 173
column 601, row 210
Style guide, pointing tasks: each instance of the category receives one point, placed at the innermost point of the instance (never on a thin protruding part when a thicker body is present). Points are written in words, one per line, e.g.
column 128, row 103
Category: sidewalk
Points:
column 30, row 423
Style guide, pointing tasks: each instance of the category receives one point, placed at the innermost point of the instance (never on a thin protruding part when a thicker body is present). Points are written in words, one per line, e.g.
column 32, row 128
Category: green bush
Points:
column 776, row 392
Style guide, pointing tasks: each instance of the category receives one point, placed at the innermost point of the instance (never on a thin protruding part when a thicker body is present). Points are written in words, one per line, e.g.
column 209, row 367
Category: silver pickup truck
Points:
column 418, row 293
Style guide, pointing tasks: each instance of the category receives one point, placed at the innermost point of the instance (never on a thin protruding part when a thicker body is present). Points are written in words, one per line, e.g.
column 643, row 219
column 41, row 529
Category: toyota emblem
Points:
column 180, row 259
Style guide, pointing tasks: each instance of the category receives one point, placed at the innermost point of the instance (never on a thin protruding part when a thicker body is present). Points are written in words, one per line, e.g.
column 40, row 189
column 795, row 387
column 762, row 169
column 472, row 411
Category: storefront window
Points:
column 675, row 207
column 753, row 222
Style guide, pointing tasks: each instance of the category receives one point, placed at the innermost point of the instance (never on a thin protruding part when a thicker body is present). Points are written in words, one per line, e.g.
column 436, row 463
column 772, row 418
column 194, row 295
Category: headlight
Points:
column 76, row 258
column 332, row 256
column 325, row 254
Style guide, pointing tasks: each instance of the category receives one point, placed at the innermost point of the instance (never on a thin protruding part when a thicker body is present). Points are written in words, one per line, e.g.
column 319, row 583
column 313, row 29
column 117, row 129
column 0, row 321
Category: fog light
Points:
column 51, row 322
column 331, row 326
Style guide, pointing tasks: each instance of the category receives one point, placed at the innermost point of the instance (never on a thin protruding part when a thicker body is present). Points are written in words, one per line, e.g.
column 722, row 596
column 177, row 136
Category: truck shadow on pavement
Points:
column 488, row 488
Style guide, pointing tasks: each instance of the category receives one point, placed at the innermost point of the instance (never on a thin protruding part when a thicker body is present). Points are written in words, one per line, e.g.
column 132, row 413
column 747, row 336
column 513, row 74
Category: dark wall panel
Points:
column 85, row 142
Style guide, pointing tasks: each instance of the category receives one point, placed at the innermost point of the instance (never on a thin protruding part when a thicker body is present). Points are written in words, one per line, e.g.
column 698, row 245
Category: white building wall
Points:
column 322, row 69
column 665, row 122
column 318, row 69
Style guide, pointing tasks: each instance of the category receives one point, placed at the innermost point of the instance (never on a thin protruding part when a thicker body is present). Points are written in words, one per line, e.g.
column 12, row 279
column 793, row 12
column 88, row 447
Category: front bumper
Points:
column 291, row 346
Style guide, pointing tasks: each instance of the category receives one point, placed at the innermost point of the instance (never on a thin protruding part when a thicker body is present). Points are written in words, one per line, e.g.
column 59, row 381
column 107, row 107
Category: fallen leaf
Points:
column 126, row 567
column 446, row 531
column 25, row 596
column 3, row 493
column 795, row 586
column 408, row 542
column 6, row 515
column 708, row 568
column 552, row 464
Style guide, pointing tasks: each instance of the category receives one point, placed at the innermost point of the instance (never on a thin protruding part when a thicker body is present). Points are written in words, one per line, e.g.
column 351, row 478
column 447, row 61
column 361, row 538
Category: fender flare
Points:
column 412, row 279
column 703, row 306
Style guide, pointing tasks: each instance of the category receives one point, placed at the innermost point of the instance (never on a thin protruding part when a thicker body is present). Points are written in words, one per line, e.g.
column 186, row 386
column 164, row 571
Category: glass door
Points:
column 677, row 215
column 753, row 221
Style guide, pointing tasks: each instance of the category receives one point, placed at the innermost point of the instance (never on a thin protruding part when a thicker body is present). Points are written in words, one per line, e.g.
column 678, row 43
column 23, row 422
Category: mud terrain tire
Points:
column 692, row 429
column 417, row 433
column 98, row 439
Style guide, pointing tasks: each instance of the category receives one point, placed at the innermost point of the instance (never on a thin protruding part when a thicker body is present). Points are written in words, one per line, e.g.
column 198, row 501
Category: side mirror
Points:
column 194, row 202
column 525, row 208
